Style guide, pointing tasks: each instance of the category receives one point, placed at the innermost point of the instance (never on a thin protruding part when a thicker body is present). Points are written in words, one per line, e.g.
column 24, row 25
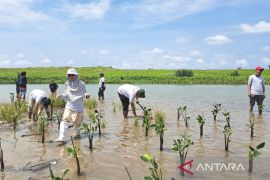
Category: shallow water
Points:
column 121, row 143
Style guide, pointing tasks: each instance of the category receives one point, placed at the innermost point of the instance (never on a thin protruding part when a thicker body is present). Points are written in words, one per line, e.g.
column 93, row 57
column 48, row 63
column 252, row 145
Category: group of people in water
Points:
column 74, row 94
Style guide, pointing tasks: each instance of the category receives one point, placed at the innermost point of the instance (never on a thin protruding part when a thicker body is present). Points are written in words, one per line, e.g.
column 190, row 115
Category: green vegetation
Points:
column 253, row 153
column 227, row 133
column 201, row 121
column 155, row 174
column 73, row 151
column 182, row 146
column 216, row 109
column 146, row 120
column 182, row 111
column 152, row 76
column 57, row 177
column 235, row 73
column 160, row 126
column 42, row 125
column 184, row 73
column 89, row 130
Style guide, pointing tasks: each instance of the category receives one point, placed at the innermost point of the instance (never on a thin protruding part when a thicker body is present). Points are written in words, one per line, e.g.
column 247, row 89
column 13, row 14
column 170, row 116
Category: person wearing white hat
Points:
column 74, row 94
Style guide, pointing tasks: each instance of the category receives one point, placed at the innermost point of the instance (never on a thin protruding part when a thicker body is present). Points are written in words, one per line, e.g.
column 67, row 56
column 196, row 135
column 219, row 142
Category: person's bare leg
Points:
column 125, row 114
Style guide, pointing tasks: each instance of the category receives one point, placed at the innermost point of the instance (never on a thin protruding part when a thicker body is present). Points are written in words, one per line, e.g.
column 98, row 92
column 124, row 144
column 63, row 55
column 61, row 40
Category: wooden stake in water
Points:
column 2, row 158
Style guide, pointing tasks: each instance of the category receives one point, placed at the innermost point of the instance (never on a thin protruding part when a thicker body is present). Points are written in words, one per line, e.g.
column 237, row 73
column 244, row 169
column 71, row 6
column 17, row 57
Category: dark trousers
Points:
column 101, row 92
column 125, row 101
column 256, row 98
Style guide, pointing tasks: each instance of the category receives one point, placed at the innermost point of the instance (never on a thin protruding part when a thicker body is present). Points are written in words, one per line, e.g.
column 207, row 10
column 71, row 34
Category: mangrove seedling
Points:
column 2, row 158
column 160, row 126
column 182, row 111
column 251, row 126
column 201, row 122
column 156, row 173
column 227, row 117
column 216, row 110
column 252, row 154
column 73, row 151
column 97, row 120
column 90, row 104
column 261, row 107
column 136, row 122
column 57, row 177
column 227, row 133
column 182, row 146
column 146, row 120
column 114, row 105
column 42, row 124
column 89, row 130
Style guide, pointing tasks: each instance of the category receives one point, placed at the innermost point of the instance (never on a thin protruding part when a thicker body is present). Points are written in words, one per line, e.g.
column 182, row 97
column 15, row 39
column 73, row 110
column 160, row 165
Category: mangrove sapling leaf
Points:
column 2, row 157
column 147, row 120
column 227, row 133
column 182, row 146
column 160, row 126
column 73, row 151
column 201, row 122
column 181, row 112
column 97, row 120
column 42, row 125
column 227, row 117
column 89, row 130
column 57, row 177
column 253, row 153
column 155, row 173
column 216, row 110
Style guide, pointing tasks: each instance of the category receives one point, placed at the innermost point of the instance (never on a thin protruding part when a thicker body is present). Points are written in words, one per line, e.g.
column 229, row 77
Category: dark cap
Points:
column 46, row 102
column 141, row 93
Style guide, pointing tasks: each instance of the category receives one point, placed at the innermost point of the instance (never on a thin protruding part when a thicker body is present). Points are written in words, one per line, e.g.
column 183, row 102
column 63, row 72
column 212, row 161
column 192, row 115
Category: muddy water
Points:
column 121, row 143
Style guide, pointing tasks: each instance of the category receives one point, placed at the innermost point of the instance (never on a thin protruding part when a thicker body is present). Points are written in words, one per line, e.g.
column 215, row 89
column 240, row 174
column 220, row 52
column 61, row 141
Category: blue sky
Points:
column 135, row 34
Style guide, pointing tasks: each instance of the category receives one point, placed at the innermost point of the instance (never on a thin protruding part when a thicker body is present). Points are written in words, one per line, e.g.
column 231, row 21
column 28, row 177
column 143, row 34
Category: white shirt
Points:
column 128, row 91
column 256, row 83
column 36, row 95
column 101, row 80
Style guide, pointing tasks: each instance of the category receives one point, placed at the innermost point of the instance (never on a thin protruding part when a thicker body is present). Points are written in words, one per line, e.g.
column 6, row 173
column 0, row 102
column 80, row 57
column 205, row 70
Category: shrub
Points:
column 184, row 73
column 235, row 73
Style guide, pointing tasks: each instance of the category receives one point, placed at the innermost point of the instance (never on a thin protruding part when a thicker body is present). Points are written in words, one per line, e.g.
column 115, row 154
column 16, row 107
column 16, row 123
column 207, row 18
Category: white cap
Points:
column 72, row 71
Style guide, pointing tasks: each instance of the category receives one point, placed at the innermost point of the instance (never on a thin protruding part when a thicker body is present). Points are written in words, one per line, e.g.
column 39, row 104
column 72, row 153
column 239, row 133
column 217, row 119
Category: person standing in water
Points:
column 22, row 85
column 256, row 89
column 74, row 94
column 53, row 87
column 101, row 86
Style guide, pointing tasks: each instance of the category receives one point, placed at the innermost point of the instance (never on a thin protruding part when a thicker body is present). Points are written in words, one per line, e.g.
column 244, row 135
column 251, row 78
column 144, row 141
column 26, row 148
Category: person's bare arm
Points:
column 133, row 109
column 36, row 112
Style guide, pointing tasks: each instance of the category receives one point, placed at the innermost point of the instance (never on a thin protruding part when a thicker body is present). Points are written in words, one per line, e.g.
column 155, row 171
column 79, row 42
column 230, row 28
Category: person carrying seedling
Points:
column 53, row 87
column 256, row 89
column 101, row 86
column 127, row 94
column 74, row 94
column 22, row 85
column 37, row 101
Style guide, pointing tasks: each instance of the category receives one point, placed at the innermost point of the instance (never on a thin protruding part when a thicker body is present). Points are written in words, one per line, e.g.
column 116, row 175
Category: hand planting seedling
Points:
column 155, row 173
column 73, row 151
column 227, row 117
column 160, row 126
column 57, row 177
column 252, row 154
column 201, row 122
column 227, row 133
column 89, row 130
column 182, row 146
column 216, row 110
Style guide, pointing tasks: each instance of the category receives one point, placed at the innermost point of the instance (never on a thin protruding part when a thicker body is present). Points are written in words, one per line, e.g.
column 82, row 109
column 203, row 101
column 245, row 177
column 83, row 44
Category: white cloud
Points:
column 23, row 63
column 4, row 62
column 20, row 55
column 161, row 11
column 19, row 11
column 200, row 61
column 241, row 63
column 266, row 49
column 177, row 58
column 45, row 61
column 217, row 40
column 194, row 53
column 104, row 52
column 93, row 10
column 153, row 51
column 260, row 27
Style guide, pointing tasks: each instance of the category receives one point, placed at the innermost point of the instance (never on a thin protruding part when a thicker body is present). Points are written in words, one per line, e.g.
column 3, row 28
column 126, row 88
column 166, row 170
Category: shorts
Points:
column 22, row 90
column 125, row 101
column 256, row 98
column 101, row 92
column 76, row 118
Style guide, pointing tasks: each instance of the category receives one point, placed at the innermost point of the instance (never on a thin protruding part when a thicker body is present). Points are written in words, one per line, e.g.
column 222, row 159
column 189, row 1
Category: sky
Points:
column 135, row 34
